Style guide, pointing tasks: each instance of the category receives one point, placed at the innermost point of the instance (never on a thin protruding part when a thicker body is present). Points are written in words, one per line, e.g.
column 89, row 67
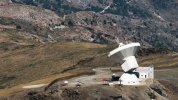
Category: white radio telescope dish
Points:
column 133, row 74
column 125, row 54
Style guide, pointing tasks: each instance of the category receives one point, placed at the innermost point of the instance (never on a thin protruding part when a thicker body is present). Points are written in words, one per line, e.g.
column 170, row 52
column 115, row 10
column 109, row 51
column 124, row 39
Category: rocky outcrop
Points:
column 38, row 16
column 149, row 32
column 28, row 21
column 63, row 7
column 152, row 23
column 156, row 91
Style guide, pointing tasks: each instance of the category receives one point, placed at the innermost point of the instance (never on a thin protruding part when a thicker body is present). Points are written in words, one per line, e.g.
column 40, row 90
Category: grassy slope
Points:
column 27, row 64
column 23, row 61
column 169, row 60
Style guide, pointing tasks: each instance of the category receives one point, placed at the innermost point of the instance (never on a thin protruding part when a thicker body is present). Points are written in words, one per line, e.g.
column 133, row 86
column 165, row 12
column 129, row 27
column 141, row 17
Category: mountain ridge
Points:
column 152, row 23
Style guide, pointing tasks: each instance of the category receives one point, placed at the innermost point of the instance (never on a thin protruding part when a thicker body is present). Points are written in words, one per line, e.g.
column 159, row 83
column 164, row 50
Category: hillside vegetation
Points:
column 29, row 63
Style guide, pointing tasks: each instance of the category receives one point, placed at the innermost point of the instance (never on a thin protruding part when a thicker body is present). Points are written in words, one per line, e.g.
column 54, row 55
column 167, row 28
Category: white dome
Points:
column 129, row 77
column 66, row 82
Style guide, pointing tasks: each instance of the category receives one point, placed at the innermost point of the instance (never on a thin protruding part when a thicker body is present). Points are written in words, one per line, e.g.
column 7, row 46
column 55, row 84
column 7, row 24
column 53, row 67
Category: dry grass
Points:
column 32, row 63
column 160, row 61
column 27, row 64
column 45, row 63
column 16, row 89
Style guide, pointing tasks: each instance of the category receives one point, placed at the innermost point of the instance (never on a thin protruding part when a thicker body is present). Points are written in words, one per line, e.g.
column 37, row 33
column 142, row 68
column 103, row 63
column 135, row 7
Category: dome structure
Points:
column 129, row 79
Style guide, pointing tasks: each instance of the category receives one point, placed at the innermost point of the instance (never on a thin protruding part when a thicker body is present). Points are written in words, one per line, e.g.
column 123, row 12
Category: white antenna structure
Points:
column 125, row 55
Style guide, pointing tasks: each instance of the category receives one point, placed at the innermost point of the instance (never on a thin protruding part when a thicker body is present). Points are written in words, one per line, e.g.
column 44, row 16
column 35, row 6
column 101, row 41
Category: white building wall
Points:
column 143, row 75
column 151, row 72
column 129, row 82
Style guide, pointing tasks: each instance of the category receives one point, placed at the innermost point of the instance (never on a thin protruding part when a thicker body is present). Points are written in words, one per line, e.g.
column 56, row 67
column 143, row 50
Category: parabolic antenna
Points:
column 125, row 54
column 133, row 74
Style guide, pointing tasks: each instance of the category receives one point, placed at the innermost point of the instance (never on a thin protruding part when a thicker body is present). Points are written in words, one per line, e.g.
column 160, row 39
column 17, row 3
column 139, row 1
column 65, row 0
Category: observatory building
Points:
column 133, row 74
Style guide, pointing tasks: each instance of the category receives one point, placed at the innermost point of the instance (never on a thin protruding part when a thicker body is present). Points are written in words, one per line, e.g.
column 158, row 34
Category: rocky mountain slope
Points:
column 151, row 22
